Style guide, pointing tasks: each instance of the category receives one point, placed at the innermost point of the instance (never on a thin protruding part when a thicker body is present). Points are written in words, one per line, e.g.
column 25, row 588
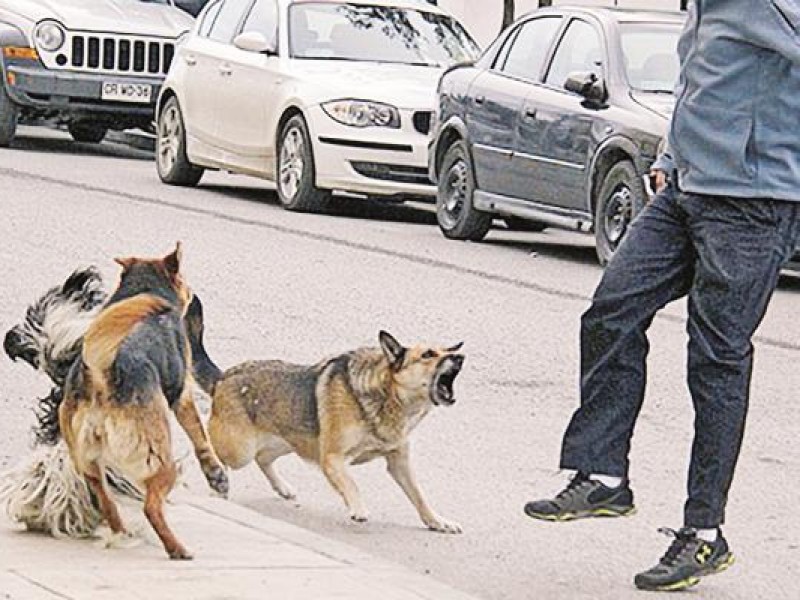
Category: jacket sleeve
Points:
column 779, row 30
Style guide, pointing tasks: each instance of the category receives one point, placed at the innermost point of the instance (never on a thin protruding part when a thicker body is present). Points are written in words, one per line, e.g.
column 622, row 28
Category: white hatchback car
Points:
column 315, row 95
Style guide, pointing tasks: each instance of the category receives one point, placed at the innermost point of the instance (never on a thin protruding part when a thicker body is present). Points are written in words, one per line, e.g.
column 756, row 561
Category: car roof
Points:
column 620, row 15
column 412, row 4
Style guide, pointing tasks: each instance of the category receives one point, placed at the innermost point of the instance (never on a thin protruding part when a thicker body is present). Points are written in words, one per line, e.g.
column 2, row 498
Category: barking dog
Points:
column 135, row 365
column 346, row 410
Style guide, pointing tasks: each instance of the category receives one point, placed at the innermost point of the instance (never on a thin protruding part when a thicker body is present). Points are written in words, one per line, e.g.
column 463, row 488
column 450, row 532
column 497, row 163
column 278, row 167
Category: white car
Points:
column 92, row 64
column 317, row 96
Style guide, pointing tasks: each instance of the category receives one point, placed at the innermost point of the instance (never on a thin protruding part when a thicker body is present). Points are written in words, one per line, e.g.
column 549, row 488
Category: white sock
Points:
column 607, row 480
column 708, row 535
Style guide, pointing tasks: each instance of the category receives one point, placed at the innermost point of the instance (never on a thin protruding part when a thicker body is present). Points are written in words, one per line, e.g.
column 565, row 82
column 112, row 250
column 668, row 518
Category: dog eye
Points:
column 428, row 354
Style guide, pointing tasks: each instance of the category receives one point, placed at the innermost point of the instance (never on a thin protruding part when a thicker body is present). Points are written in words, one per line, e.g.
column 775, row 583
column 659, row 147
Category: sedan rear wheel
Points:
column 172, row 162
column 458, row 218
column 620, row 199
column 296, row 172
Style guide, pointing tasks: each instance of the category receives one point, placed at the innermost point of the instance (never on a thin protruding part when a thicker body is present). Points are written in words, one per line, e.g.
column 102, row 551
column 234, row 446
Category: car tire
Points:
column 86, row 132
column 9, row 112
column 619, row 200
column 518, row 224
column 172, row 163
column 296, row 173
column 457, row 217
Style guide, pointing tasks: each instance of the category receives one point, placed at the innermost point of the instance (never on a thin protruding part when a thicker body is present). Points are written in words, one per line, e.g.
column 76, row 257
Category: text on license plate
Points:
column 126, row 92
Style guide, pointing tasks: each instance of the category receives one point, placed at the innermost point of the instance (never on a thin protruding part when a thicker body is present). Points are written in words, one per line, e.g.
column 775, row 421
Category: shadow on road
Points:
column 57, row 143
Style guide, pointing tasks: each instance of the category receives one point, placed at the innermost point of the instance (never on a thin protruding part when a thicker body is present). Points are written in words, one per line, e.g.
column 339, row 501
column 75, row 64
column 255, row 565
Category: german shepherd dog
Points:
column 135, row 365
column 345, row 410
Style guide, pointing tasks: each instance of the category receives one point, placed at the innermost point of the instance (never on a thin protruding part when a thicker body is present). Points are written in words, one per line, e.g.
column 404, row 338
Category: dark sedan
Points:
column 556, row 124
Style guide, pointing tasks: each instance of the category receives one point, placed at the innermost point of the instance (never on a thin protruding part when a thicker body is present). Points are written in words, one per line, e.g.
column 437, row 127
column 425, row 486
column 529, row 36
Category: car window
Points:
column 528, row 50
column 208, row 19
column 650, row 52
column 227, row 20
column 263, row 18
column 580, row 49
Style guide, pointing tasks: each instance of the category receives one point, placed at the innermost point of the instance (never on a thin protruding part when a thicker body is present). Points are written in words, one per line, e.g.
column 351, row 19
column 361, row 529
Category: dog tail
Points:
column 205, row 371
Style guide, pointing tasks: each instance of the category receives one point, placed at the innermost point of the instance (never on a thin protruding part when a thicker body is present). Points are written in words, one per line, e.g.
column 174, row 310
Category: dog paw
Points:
column 360, row 516
column 286, row 493
column 443, row 525
column 218, row 480
column 180, row 553
column 119, row 540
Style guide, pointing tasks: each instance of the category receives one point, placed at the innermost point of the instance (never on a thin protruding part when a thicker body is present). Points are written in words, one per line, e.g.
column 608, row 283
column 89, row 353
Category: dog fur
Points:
column 343, row 411
column 135, row 366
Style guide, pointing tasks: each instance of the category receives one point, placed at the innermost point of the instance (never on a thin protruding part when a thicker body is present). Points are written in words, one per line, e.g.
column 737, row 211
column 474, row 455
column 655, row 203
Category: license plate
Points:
column 127, row 92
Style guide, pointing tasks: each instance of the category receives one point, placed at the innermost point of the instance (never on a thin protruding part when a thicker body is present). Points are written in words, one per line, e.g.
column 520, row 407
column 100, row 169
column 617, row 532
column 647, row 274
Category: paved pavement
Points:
column 239, row 555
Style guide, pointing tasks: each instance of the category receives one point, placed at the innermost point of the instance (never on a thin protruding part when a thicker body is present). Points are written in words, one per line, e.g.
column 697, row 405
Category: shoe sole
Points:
column 683, row 584
column 584, row 514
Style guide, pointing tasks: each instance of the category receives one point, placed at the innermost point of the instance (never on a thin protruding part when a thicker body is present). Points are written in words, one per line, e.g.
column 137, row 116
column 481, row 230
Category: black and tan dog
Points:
column 135, row 365
column 346, row 410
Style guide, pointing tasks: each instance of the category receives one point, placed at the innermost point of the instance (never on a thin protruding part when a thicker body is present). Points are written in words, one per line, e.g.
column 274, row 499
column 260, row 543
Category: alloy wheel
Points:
column 170, row 137
column 618, row 214
column 455, row 193
column 292, row 163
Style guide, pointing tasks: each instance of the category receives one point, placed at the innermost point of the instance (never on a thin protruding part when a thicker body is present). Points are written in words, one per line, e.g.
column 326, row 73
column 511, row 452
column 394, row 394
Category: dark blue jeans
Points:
column 726, row 254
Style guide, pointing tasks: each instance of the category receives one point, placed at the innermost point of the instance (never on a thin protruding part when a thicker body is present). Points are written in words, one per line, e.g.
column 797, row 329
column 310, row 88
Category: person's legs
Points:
column 741, row 246
column 652, row 267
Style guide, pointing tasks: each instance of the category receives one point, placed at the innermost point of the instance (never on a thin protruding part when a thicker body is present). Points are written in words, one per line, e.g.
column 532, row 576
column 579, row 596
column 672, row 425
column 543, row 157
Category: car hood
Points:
column 120, row 16
column 404, row 86
column 661, row 104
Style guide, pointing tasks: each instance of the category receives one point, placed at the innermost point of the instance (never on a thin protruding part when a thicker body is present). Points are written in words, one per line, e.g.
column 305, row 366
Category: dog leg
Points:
column 189, row 419
column 335, row 469
column 265, row 460
column 399, row 467
column 108, row 507
column 158, row 487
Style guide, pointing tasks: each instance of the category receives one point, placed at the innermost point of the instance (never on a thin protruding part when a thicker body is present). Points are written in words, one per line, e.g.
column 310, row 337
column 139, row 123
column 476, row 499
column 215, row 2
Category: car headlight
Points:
column 362, row 113
column 49, row 36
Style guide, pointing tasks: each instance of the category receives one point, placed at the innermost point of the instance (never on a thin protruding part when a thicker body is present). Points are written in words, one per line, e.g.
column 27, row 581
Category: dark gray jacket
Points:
column 735, row 129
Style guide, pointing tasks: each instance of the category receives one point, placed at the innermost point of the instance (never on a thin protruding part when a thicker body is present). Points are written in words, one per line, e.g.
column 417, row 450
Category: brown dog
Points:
column 349, row 409
column 134, row 367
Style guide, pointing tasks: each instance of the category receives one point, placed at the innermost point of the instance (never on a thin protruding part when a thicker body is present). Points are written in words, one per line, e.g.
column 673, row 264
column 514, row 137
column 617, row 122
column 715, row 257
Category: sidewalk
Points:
column 239, row 555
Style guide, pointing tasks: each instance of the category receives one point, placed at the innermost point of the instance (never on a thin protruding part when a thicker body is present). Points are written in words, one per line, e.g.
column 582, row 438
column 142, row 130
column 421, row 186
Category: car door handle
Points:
column 530, row 113
column 225, row 70
column 480, row 99
column 190, row 60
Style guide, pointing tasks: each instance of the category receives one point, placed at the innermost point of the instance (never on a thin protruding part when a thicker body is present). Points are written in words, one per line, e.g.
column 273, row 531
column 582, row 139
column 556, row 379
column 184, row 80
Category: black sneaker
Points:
column 687, row 560
column 583, row 498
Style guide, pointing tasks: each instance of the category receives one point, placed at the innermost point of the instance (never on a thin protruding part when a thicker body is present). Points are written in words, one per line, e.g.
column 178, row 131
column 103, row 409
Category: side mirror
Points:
column 254, row 41
column 586, row 84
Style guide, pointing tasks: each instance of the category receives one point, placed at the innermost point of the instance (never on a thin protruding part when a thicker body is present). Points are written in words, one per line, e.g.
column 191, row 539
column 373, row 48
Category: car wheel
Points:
column 458, row 218
column 86, row 132
column 620, row 199
column 518, row 224
column 172, row 163
column 8, row 117
column 296, row 172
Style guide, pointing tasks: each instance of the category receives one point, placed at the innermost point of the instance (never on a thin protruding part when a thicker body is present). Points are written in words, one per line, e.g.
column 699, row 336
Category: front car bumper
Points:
column 372, row 161
column 77, row 95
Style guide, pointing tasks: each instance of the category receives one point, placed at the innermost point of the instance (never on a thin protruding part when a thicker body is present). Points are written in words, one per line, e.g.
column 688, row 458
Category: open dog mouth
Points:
column 446, row 372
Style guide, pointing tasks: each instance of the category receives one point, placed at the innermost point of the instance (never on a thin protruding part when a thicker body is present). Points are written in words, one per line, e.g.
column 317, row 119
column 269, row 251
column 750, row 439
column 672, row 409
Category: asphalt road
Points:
column 300, row 287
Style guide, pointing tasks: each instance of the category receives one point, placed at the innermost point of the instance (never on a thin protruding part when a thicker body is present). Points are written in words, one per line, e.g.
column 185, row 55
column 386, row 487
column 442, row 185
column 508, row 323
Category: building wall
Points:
column 483, row 18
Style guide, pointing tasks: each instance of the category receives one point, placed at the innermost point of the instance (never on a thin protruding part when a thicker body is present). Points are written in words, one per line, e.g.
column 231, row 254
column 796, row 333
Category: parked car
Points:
column 314, row 95
column 556, row 124
column 94, row 65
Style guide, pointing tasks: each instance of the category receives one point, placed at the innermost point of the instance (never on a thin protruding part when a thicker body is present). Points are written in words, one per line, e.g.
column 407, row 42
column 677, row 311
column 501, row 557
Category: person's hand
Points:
column 659, row 179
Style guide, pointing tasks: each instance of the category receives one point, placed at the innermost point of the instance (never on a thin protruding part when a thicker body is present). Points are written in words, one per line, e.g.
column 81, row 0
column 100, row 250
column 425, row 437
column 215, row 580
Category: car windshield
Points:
column 651, row 55
column 156, row 1
column 359, row 32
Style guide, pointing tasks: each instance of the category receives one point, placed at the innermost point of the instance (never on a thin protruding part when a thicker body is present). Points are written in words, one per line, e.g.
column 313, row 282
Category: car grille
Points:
column 115, row 54
column 398, row 173
column 422, row 121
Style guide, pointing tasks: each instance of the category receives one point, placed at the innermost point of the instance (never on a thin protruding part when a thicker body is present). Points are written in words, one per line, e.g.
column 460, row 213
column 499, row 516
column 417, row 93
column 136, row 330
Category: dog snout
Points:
column 16, row 346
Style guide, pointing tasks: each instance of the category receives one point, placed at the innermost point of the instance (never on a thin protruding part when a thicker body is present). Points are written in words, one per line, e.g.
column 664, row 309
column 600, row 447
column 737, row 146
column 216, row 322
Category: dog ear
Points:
column 455, row 348
column 125, row 263
column 394, row 350
column 172, row 262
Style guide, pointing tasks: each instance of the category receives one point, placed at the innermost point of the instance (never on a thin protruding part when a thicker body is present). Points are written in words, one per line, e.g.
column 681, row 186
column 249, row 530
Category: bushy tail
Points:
column 205, row 371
